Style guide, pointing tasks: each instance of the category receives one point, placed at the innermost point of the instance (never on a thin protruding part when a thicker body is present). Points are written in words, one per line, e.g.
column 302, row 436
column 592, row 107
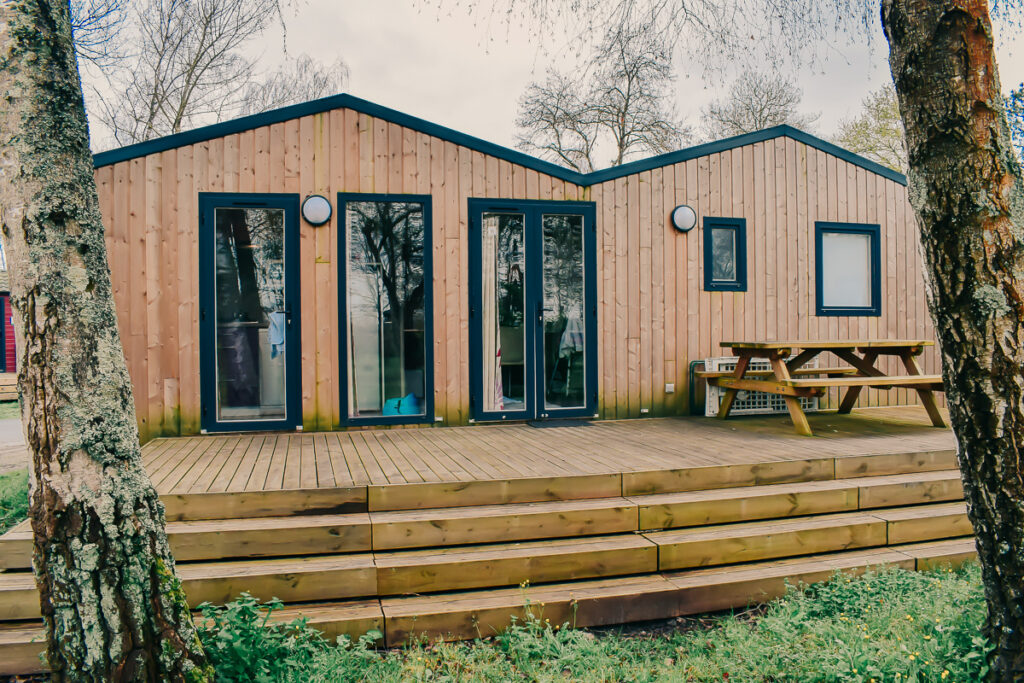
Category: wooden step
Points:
column 934, row 554
column 720, row 506
column 502, row 523
column 589, row 602
column 302, row 579
column 851, row 466
column 752, row 541
column 444, row 569
column 492, row 492
column 926, row 522
column 599, row 602
column 228, row 538
column 726, row 476
column 22, row 643
column 182, row 507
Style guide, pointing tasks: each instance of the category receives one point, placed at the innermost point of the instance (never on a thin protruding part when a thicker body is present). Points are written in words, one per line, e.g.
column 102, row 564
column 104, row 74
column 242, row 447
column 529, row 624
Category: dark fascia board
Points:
column 345, row 101
column 741, row 141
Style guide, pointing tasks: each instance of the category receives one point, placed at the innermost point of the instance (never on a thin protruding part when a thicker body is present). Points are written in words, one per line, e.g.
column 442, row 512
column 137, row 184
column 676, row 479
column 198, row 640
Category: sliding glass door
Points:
column 532, row 311
column 249, row 331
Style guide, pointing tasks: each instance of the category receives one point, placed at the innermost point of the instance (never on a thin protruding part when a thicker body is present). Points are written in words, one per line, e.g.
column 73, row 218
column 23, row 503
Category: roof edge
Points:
column 346, row 101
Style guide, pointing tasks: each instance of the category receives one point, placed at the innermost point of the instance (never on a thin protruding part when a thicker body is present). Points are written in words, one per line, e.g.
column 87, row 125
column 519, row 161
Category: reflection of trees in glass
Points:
column 723, row 254
column 249, row 285
column 386, row 241
column 510, row 271
column 563, row 265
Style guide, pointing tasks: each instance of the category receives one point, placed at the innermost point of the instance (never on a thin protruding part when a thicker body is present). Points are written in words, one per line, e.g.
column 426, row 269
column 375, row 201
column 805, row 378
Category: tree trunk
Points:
column 965, row 187
column 112, row 606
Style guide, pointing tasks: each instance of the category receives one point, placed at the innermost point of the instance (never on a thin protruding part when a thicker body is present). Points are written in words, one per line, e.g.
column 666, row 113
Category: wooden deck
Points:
column 270, row 462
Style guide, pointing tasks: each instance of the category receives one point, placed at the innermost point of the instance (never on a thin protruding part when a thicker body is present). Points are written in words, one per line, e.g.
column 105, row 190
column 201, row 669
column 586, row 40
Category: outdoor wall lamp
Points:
column 684, row 218
column 316, row 209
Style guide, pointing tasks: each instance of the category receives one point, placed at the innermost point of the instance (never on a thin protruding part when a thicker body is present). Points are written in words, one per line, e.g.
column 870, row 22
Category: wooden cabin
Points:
column 336, row 264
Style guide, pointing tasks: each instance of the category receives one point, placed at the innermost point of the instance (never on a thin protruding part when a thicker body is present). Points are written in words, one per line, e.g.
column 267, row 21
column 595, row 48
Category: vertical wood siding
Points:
column 653, row 315
column 151, row 211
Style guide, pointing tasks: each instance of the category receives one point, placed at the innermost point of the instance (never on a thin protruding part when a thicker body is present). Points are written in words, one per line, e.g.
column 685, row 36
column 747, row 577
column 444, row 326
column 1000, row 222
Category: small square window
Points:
column 848, row 269
column 725, row 254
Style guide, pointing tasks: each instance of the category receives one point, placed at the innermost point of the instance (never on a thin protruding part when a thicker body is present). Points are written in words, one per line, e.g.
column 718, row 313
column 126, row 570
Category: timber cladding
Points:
column 653, row 315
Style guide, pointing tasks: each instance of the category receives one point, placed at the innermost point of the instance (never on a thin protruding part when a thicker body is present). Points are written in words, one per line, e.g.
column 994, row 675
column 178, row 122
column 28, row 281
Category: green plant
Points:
column 244, row 643
column 13, row 498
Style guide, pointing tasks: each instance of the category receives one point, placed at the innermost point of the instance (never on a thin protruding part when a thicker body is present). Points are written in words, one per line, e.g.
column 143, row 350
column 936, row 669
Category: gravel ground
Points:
column 13, row 454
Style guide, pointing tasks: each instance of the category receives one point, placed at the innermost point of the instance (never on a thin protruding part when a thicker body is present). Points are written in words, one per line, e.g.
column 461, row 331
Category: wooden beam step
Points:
column 934, row 554
column 182, row 507
column 444, row 569
column 492, row 492
column 721, row 506
column 926, row 522
column 726, row 476
column 752, row 541
column 21, row 643
column 302, row 579
column 848, row 467
column 582, row 603
column 599, row 602
column 502, row 523
column 228, row 538
column 910, row 489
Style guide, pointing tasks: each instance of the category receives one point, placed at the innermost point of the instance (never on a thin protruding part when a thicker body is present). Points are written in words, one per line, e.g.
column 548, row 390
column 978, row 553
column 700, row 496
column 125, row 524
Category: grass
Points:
column 9, row 410
column 890, row 625
column 13, row 498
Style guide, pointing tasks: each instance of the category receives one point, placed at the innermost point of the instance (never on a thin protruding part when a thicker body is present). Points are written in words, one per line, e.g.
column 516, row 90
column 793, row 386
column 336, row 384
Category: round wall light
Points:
column 684, row 218
column 316, row 209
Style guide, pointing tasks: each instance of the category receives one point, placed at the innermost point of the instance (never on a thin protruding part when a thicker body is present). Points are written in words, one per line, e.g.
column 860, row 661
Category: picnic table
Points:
column 790, row 378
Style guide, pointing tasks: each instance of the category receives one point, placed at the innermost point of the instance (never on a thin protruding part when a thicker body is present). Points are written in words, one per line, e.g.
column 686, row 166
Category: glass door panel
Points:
column 564, row 330
column 503, row 312
column 532, row 310
column 250, row 314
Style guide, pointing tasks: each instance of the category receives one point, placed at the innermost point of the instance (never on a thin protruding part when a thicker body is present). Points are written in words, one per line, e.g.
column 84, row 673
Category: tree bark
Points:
column 965, row 187
column 113, row 608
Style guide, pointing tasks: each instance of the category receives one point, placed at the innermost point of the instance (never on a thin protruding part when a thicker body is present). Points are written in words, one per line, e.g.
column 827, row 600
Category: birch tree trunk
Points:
column 113, row 608
column 965, row 187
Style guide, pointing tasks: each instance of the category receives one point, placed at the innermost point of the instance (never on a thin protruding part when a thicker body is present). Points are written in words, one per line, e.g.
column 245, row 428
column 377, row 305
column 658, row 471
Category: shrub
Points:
column 245, row 644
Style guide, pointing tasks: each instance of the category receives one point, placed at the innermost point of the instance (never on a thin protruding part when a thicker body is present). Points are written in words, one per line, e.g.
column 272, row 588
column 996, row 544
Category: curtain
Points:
column 492, row 388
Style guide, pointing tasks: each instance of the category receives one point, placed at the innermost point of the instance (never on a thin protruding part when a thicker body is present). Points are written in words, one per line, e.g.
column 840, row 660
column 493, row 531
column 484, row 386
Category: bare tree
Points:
column 877, row 132
column 188, row 67
column 755, row 101
column 299, row 80
column 96, row 26
column 620, row 99
column 111, row 603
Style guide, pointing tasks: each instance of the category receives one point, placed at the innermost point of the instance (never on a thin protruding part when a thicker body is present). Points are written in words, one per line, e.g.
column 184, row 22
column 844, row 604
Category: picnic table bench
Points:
column 791, row 380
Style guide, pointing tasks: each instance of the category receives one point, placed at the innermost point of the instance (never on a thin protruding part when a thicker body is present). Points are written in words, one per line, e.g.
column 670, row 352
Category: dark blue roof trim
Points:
column 377, row 111
column 739, row 141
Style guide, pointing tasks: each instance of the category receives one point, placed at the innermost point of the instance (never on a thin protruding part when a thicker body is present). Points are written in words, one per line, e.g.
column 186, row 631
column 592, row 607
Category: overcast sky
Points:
column 448, row 70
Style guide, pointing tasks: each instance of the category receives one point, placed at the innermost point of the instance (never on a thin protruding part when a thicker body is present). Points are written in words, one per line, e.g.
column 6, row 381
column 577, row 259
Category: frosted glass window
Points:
column 846, row 270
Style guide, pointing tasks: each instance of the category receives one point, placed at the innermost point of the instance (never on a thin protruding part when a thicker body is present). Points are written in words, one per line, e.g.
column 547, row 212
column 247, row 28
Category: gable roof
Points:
column 345, row 101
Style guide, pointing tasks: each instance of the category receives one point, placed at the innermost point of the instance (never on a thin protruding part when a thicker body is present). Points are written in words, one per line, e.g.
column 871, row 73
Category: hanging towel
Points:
column 572, row 337
column 275, row 333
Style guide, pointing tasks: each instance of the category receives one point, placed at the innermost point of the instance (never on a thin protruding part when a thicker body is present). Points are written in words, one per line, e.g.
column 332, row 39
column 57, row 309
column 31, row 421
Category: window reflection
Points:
column 723, row 251
column 503, row 312
column 250, row 315
column 564, row 331
column 385, row 302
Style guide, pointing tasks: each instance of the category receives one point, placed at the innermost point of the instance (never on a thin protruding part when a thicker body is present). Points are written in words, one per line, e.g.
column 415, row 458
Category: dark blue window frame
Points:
column 739, row 225
column 532, row 210
column 208, row 202
column 428, row 308
column 873, row 230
